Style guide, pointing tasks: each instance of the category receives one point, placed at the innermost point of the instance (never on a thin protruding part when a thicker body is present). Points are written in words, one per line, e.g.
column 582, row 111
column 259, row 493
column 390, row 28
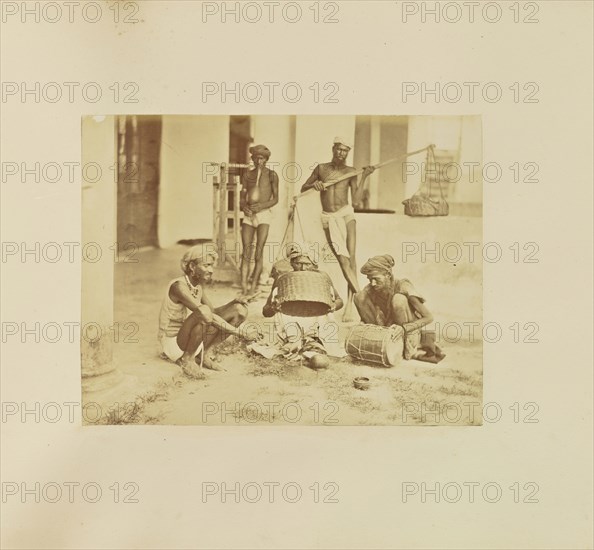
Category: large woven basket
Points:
column 425, row 206
column 304, row 293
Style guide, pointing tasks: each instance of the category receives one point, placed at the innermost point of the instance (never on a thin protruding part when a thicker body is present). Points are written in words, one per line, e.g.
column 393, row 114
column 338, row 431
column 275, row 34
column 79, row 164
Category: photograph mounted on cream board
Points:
column 228, row 224
column 259, row 270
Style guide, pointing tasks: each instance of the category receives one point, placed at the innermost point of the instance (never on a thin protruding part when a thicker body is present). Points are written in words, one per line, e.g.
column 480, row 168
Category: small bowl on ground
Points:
column 362, row 383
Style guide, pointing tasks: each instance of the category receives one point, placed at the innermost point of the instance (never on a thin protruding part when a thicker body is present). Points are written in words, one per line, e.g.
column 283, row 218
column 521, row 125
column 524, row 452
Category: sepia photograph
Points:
column 283, row 269
column 288, row 275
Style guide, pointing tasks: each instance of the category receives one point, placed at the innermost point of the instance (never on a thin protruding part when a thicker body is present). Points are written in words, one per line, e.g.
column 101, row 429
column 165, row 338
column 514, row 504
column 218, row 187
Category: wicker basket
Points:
column 280, row 267
column 425, row 206
column 304, row 293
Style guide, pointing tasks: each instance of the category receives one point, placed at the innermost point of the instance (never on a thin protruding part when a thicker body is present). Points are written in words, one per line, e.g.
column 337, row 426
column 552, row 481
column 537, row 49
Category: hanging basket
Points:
column 421, row 204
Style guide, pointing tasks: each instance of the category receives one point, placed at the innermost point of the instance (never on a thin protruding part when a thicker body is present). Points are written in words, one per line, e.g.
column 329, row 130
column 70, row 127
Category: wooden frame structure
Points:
column 226, row 197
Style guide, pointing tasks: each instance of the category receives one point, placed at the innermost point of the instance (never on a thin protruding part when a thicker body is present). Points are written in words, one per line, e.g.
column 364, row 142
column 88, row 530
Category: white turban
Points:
column 198, row 254
column 343, row 141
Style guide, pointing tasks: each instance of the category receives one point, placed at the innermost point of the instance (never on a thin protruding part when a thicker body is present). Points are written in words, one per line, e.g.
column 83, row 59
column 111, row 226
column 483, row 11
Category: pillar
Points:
column 98, row 238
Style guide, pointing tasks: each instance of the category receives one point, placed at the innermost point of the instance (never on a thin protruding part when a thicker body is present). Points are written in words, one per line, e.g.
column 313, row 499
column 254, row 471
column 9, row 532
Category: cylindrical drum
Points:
column 304, row 293
column 376, row 344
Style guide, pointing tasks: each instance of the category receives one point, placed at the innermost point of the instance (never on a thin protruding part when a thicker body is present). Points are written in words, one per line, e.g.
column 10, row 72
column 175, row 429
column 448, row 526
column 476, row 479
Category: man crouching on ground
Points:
column 387, row 301
column 188, row 323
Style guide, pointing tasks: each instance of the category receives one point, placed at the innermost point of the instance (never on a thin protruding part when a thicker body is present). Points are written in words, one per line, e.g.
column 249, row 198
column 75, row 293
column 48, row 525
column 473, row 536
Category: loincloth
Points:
column 336, row 223
column 169, row 348
column 262, row 217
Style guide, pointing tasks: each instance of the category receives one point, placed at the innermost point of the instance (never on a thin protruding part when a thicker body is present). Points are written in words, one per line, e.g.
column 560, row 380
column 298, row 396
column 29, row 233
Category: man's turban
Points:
column 378, row 263
column 198, row 254
column 342, row 141
column 260, row 150
column 295, row 250
column 298, row 255
column 292, row 249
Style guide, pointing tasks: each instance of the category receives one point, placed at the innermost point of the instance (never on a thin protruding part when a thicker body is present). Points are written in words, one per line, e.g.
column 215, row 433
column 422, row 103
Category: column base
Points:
column 102, row 382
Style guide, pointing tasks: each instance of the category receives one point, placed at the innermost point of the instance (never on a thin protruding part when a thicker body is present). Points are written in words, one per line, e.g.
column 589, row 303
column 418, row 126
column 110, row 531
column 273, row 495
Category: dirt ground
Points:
column 256, row 391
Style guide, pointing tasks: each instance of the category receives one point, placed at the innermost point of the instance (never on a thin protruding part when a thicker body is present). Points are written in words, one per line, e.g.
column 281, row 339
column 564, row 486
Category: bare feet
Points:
column 191, row 369
column 211, row 364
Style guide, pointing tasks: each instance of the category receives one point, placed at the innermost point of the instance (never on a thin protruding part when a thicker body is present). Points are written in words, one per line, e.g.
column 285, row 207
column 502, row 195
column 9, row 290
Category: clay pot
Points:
column 362, row 383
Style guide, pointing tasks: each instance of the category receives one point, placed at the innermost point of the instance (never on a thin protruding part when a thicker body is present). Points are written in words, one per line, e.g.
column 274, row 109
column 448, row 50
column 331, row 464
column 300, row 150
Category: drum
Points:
column 304, row 293
column 376, row 344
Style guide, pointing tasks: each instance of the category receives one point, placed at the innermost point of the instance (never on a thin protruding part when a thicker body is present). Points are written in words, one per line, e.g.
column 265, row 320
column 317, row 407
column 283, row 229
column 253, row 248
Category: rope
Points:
column 293, row 212
column 300, row 224
column 430, row 160
column 290, row 220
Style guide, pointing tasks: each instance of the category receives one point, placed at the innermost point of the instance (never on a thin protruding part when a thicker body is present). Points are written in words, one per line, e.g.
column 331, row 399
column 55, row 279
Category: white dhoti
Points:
column 263, row 217
column 336, row 223
column 170, row 350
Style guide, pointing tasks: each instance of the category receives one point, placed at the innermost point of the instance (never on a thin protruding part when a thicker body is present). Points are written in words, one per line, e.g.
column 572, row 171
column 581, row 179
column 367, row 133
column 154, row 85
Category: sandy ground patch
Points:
column 255, row 391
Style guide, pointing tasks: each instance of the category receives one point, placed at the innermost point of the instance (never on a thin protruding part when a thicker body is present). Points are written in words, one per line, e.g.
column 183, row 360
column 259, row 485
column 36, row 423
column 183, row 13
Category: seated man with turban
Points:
column 259, row 193
column 387, row 301
column 188, row 323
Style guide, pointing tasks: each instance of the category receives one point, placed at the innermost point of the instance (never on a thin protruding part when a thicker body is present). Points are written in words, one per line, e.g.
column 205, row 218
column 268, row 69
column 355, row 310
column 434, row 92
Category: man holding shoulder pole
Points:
column 338, row 216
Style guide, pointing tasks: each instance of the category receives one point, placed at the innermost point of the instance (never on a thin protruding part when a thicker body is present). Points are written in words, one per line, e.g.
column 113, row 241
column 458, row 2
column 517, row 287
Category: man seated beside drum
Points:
column 388, row 301
column 188, row 322
column 327, row 328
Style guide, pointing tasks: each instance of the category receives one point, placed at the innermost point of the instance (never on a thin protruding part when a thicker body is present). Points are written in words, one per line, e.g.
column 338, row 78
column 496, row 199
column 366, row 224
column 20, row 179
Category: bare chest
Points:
column 328, row 172
column 260, row 179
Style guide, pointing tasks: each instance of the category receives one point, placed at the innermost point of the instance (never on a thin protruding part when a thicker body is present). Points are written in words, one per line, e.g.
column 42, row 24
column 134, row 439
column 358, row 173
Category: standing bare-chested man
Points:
column 259, row 193
column 338, row 216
